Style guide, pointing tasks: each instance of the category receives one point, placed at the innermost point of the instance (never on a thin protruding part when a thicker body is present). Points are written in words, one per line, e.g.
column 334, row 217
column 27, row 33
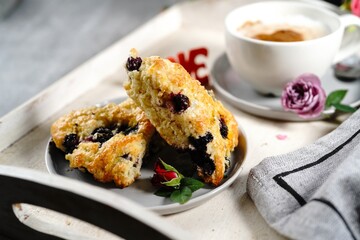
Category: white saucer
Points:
column 242, row 95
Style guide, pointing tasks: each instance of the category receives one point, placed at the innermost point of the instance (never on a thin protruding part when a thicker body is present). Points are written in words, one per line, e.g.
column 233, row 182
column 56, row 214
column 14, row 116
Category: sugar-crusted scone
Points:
column 109, row 141
column 184, row 113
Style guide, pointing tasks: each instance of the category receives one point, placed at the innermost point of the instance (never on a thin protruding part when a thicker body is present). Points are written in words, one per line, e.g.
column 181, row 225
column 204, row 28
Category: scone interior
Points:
column 184, row 113
column 109, row 142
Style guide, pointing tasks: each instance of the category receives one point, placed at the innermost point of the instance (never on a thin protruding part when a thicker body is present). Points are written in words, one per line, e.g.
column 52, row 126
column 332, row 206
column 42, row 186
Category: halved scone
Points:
column 109, row 142
column 184, row 113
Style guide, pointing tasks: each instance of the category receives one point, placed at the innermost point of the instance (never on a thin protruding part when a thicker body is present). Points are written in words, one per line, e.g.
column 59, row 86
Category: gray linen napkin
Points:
column 313, row 192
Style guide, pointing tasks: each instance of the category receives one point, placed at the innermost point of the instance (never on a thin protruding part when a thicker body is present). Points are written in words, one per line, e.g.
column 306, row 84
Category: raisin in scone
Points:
column 184, row 113
column 109, row 141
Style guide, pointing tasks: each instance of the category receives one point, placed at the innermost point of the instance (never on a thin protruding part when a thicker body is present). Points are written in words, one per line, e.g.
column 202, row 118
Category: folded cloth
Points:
column 313, row 192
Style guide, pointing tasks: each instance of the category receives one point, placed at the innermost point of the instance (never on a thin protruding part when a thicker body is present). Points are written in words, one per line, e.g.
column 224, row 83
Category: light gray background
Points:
column 42, row 40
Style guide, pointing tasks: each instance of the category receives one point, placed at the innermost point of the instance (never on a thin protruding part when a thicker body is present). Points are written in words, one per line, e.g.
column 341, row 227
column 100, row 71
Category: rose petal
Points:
column 309, row 78
column 355, row 7
column 156, row 180
column 169, row 175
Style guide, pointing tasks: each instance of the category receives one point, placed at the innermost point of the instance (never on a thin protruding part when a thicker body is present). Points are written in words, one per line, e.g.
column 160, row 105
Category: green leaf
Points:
column 192, row 183
column 344, row 108
column 335, row 97
column 175, row 182
column 163, row 192
column 181, row 195
column 346, row 5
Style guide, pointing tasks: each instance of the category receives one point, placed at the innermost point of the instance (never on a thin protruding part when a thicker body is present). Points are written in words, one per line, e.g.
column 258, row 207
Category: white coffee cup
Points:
column 268, row 65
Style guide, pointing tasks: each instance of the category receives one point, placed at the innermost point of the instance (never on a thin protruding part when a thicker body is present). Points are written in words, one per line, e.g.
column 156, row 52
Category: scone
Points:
column 109, row 142
column 184, row 113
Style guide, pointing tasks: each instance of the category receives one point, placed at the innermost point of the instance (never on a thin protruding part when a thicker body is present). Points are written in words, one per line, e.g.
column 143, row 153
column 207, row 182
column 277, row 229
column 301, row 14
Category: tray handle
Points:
column 44, row 190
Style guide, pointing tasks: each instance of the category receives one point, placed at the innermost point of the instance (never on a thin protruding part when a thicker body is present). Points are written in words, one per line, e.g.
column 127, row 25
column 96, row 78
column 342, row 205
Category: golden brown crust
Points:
column 153, row 88
column 118, row 156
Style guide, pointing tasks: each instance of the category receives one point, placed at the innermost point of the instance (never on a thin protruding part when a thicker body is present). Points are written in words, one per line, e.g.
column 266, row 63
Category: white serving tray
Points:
column 230, row 215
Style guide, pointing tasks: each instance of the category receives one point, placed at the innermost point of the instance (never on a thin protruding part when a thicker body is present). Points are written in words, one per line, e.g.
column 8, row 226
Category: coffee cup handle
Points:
column 351, row 39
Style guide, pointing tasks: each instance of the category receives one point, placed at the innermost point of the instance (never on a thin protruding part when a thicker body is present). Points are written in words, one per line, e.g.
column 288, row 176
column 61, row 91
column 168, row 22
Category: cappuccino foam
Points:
column 307, row 28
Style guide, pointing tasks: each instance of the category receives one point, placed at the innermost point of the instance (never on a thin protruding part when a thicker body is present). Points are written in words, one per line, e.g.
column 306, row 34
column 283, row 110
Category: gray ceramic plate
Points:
column 242, row 95
column 142, row 191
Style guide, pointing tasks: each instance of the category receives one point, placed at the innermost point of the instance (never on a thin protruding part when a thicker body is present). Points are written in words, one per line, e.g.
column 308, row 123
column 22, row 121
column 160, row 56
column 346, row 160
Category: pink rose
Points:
column 304, row 96
column 355, row 7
